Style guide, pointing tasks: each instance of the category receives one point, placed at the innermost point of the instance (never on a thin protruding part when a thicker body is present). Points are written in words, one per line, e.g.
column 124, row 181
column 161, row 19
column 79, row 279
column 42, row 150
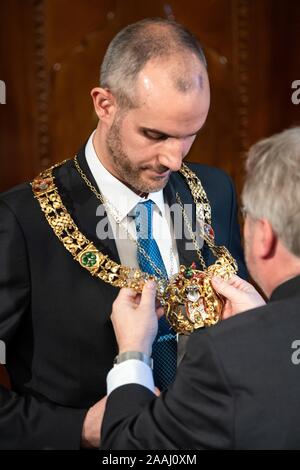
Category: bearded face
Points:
column 141, row 176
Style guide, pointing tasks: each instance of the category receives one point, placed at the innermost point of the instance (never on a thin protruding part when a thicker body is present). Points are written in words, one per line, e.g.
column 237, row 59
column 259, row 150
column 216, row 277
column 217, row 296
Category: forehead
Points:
column 161, row 105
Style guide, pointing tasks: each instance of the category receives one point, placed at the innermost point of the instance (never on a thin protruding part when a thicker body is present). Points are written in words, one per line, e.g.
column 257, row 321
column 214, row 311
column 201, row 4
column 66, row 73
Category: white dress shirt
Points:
column 121, row 200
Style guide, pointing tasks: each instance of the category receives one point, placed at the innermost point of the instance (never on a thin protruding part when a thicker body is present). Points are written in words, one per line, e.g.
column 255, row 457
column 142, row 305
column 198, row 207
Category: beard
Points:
column 129, row 173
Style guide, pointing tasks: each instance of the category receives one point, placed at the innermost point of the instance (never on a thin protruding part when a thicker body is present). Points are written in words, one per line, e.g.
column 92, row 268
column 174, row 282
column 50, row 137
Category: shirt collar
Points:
column 289, row 288
column 121, row 197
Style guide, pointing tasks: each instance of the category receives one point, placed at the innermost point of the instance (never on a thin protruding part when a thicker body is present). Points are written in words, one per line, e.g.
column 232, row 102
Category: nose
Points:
column 172, row 154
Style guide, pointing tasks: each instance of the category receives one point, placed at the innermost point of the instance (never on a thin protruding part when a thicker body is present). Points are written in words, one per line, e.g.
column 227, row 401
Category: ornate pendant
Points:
column 190, row 302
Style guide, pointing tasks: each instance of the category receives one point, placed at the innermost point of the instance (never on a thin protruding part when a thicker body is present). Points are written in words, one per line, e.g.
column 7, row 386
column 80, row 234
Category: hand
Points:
column 134, row 318
column 90, row 437
column 240, row 295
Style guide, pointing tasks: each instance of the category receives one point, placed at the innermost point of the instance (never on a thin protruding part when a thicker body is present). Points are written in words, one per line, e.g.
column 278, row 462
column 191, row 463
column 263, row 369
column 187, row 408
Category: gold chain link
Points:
column 191, row 232
column 106, row 203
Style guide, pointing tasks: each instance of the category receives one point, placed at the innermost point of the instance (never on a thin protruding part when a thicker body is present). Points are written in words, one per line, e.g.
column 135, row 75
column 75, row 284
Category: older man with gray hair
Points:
column 238, row 385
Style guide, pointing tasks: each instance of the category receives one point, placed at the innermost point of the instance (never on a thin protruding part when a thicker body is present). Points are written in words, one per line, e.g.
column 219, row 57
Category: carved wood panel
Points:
column 50, row 56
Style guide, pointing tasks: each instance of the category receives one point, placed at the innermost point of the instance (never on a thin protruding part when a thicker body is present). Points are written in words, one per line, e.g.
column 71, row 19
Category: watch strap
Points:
column 127, row 355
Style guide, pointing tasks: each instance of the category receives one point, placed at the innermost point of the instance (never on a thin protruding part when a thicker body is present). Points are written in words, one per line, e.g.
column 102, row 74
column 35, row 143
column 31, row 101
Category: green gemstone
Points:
column 188, row 273
column 89, row 259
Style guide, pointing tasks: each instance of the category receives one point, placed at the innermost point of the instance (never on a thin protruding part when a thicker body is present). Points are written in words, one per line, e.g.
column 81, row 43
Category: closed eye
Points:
column 154, row 135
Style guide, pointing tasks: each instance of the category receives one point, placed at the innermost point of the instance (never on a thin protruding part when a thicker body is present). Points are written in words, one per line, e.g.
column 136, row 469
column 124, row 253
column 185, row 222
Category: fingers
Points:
column 234, row 279
column 157, row 391
column 239, row 283
column 148, row 296
column 126, row 294
column 224, row 288
column 160, row 312
column 127, row 297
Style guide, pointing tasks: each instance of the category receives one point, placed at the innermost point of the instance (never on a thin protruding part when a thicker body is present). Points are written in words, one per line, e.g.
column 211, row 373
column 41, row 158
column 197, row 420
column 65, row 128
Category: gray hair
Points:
column 272, row 187
column 138, row 43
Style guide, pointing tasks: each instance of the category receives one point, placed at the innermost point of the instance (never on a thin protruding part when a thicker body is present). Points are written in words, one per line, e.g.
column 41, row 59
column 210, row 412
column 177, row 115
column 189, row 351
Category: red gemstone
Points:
column 209, row 231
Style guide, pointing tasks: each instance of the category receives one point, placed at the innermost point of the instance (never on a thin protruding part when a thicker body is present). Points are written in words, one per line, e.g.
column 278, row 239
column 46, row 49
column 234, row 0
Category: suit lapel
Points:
column 186, row 250
column 86, row 210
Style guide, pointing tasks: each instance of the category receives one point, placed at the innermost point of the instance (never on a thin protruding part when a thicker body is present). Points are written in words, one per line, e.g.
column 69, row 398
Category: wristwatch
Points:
column 125, row 356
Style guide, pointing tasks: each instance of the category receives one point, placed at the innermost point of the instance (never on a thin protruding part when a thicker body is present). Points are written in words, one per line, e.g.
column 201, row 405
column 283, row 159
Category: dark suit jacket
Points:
column 238, row 387
column 55, row 317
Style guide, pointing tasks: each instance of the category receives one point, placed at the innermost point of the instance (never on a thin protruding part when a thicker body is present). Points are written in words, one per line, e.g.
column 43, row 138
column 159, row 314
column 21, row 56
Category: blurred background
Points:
column 51, row 50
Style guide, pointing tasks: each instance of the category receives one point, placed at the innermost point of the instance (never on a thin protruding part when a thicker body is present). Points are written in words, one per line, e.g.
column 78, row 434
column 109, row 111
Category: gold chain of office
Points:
column 106, row 203
column 188, row 297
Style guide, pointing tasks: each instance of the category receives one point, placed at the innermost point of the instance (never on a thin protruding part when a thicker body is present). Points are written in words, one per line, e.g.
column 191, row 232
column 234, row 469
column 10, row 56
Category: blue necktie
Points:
column 164, row 350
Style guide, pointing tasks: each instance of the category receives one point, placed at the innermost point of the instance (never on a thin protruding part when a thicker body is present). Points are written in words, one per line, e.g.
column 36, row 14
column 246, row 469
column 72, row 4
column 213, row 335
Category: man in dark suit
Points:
column 238, row 385
column 55, row 316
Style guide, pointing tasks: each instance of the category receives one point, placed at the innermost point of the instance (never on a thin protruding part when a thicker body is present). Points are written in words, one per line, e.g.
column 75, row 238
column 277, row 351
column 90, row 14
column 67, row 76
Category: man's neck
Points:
column 282, row 269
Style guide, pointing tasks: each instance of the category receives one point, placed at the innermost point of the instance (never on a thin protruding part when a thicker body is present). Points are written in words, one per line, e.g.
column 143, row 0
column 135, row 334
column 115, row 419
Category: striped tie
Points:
column 164, row 350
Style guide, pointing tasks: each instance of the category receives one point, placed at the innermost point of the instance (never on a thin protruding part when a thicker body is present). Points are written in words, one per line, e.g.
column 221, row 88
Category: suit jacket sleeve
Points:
column 196, row 412
column 26, row 422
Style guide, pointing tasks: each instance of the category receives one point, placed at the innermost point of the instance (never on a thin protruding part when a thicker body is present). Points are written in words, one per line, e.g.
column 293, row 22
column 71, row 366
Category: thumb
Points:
column 148, row 296
column 224, row 288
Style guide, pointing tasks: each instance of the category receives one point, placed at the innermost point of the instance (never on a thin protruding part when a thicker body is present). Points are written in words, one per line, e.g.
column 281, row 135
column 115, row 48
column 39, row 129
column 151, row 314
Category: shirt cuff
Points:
column 128, row 372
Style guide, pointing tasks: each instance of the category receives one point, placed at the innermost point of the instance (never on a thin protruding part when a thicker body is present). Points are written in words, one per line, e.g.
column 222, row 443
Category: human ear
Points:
column 104, row 103
column 266, row 239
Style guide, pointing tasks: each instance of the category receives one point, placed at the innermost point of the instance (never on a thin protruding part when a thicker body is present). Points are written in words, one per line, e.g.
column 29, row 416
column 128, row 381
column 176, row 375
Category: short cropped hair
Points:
column 138, row 43
column 272, row 186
